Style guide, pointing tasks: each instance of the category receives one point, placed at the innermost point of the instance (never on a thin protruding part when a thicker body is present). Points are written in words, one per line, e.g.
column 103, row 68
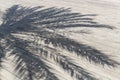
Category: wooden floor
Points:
column 104, row 39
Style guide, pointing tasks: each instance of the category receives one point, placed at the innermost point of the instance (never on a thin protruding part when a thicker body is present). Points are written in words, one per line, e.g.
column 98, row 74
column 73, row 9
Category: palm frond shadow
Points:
column 1, row 55
column 37, row 23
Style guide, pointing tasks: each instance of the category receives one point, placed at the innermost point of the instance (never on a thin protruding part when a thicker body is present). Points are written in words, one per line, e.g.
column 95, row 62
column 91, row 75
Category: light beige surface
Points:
column 106, row 40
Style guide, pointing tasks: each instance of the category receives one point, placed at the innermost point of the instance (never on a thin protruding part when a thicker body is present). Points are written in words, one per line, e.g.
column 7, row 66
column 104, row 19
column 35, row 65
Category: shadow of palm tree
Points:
column 39, row 24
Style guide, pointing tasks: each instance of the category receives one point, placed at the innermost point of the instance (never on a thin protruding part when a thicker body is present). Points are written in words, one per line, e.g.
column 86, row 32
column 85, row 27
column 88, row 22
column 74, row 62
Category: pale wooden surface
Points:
column 108, row 41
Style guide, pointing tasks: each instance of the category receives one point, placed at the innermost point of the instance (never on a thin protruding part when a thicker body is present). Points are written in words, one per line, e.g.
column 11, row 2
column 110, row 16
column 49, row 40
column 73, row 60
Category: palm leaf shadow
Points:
column 1, row 55
column 30, row 64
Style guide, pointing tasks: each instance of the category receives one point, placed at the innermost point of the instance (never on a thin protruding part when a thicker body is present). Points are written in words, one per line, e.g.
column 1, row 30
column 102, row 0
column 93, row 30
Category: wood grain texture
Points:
column 105, row 40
